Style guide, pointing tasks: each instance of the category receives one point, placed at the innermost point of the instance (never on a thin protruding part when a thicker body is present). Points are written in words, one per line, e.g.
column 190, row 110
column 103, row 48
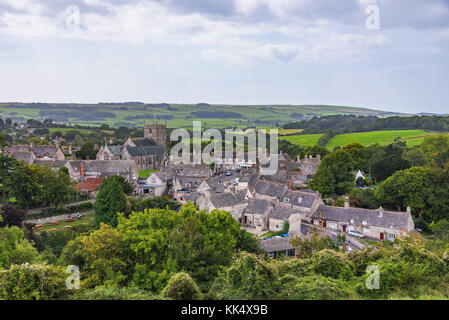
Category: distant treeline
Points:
column 217, row 114
column 337, row 124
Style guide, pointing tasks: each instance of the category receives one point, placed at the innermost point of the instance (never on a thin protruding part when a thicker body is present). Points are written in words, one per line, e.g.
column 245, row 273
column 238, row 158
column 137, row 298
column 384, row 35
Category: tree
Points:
column 11, row 216
column 181, row 286
column 204, row 241
column 124, row 184
column 411, row 187
column 87, row 151
column 33, row 282
column 305, row 248
column 387, row 161
column 103, row 257
column 160, row 203
column 14, row 249
column 147, row 234
column 334, row 174
column 110, row 201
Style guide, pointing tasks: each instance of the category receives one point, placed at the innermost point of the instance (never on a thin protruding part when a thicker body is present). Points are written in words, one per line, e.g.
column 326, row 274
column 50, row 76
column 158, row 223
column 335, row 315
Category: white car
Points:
column 355, row 234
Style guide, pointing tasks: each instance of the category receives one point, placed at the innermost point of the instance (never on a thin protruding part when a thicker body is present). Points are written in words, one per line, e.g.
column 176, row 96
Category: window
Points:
column 364, row 222
column 286, row 199
column 352, row 221
column 392, row 236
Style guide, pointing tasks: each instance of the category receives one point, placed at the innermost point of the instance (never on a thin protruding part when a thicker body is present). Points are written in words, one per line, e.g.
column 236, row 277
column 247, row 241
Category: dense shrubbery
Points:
column 352, row 123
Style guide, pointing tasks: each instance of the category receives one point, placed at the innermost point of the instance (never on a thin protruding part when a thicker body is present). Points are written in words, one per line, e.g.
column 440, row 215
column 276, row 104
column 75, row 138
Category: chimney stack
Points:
column 317, row 195
column 409, row 210
column 347, row 202
column 381, row 212
column 82, row 169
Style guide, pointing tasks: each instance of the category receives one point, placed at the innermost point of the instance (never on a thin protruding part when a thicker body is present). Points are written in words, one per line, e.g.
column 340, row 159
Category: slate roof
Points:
column 258, row 206
column 397, row 220
column 300, row 199
column 280, row 176
column 115, row 150
column 107, row 166
column 39, row 151
column 191, row 170
column 228, row 199
column 282, row 213
column 51, row 163
column 147, row 150
column 145, row 142
column 276, row 245
column 42, row 151
column 271, row 189
column 26, row 156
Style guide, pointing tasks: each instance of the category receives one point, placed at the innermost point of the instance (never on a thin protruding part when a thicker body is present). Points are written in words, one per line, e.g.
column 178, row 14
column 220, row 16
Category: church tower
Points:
column 157, row 132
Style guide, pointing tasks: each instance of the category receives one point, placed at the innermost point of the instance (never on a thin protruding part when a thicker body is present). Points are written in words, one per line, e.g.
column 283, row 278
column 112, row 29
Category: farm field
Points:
column 175, row 115
column 305, row 140
column 411, row 137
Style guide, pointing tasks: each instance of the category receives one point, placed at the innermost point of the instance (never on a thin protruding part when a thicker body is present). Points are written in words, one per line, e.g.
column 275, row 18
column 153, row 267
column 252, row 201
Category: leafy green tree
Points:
column 160, row 203
column 334, row 175
column 387, row 161
column 110, row 201
column 103, row 257
column 305, row 248
column 148, row 235
column 33, row 282
column 87, row 151
column 14, row 249
column 250, row 277
column 411, row 187
column 125, row 185
column 181, row 286
column 11, row 216
column 204, row 241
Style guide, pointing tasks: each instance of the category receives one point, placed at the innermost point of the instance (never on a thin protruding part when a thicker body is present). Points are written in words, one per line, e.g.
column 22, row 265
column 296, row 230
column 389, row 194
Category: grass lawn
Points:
column 85, row 220
column 303, row 139
column 146, row 173
column 289, row 131
column 411, row 137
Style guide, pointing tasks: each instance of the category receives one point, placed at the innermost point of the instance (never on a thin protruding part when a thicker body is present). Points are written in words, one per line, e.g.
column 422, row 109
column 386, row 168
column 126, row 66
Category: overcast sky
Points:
column 227, row 51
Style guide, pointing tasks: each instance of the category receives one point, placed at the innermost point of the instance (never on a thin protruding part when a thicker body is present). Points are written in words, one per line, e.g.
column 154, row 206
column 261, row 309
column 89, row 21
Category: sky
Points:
column 389, row 55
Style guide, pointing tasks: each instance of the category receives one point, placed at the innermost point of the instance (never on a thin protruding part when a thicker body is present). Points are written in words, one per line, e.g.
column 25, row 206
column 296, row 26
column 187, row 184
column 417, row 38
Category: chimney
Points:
column 317, row 195
column 409, row 210
column 333, row 203
column 381, row 212
column 289, row 184
column 318, row 156
column 298, row 158
column 82, row 169
column 347, row 202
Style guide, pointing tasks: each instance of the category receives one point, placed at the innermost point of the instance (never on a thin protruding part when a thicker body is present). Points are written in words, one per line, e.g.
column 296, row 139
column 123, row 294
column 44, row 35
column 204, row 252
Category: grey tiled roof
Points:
column 26, row 156
column 397, row 220
column 108, row 166
column 145, row 142
column 115, row 150
column 159, row 151
column 282, row 213
column 276, row 245
column 300, row 199
column 271, row 189
column 258, row 206
column 228, row 199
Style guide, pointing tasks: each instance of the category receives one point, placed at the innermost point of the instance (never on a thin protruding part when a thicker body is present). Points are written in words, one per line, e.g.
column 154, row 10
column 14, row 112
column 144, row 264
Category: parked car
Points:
column 285, row 235
column 355, row 234
column 228, row 173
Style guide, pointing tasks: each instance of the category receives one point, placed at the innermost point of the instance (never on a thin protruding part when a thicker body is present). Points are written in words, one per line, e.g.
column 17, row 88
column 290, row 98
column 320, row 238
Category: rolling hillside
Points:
column 411, row 137
column 176, row 115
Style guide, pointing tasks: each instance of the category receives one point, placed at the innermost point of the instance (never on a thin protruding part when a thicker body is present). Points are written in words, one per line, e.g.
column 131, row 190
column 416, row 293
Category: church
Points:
column 149, row 153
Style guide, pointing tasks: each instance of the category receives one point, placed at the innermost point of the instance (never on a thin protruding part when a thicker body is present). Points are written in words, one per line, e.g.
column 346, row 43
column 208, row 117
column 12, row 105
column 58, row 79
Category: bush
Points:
column 33, row 282
column 181, row 286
